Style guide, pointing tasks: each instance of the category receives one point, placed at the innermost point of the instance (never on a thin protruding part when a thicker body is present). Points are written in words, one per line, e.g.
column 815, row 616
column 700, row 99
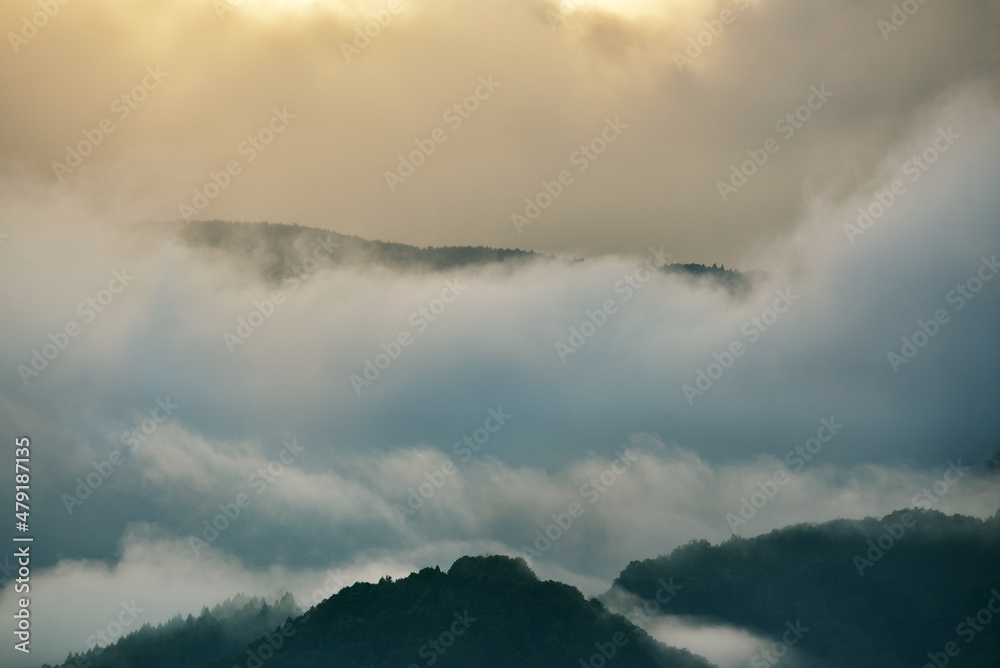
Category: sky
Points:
column 557, row 71
column 357, row 421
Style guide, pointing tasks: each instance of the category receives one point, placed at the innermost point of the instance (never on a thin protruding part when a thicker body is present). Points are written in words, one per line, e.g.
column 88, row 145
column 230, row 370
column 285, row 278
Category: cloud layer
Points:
column 196, row 434
column 689, row 123
column 477, row 434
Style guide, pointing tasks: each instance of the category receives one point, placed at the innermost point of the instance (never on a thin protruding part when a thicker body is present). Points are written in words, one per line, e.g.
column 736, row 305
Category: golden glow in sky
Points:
column 625, row 8
column 364, row 93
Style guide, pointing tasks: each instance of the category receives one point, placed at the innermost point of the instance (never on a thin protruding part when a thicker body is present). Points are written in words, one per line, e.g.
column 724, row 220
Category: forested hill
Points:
column 487, row 612
column 872, row 592
column 894, row 592
column 189, row 641
column 279, row 251
column 738, row 283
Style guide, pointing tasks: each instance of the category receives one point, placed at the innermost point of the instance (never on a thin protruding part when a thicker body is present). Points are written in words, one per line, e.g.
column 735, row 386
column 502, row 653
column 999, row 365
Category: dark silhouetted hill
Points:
column 488, row 612
column 187, row 642
column 279, row 250
column 738, row 283
column 912, row 599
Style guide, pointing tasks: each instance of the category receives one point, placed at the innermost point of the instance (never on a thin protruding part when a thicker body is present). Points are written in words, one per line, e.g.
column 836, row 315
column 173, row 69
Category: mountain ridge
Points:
column 278, row 250
column 877, row 591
